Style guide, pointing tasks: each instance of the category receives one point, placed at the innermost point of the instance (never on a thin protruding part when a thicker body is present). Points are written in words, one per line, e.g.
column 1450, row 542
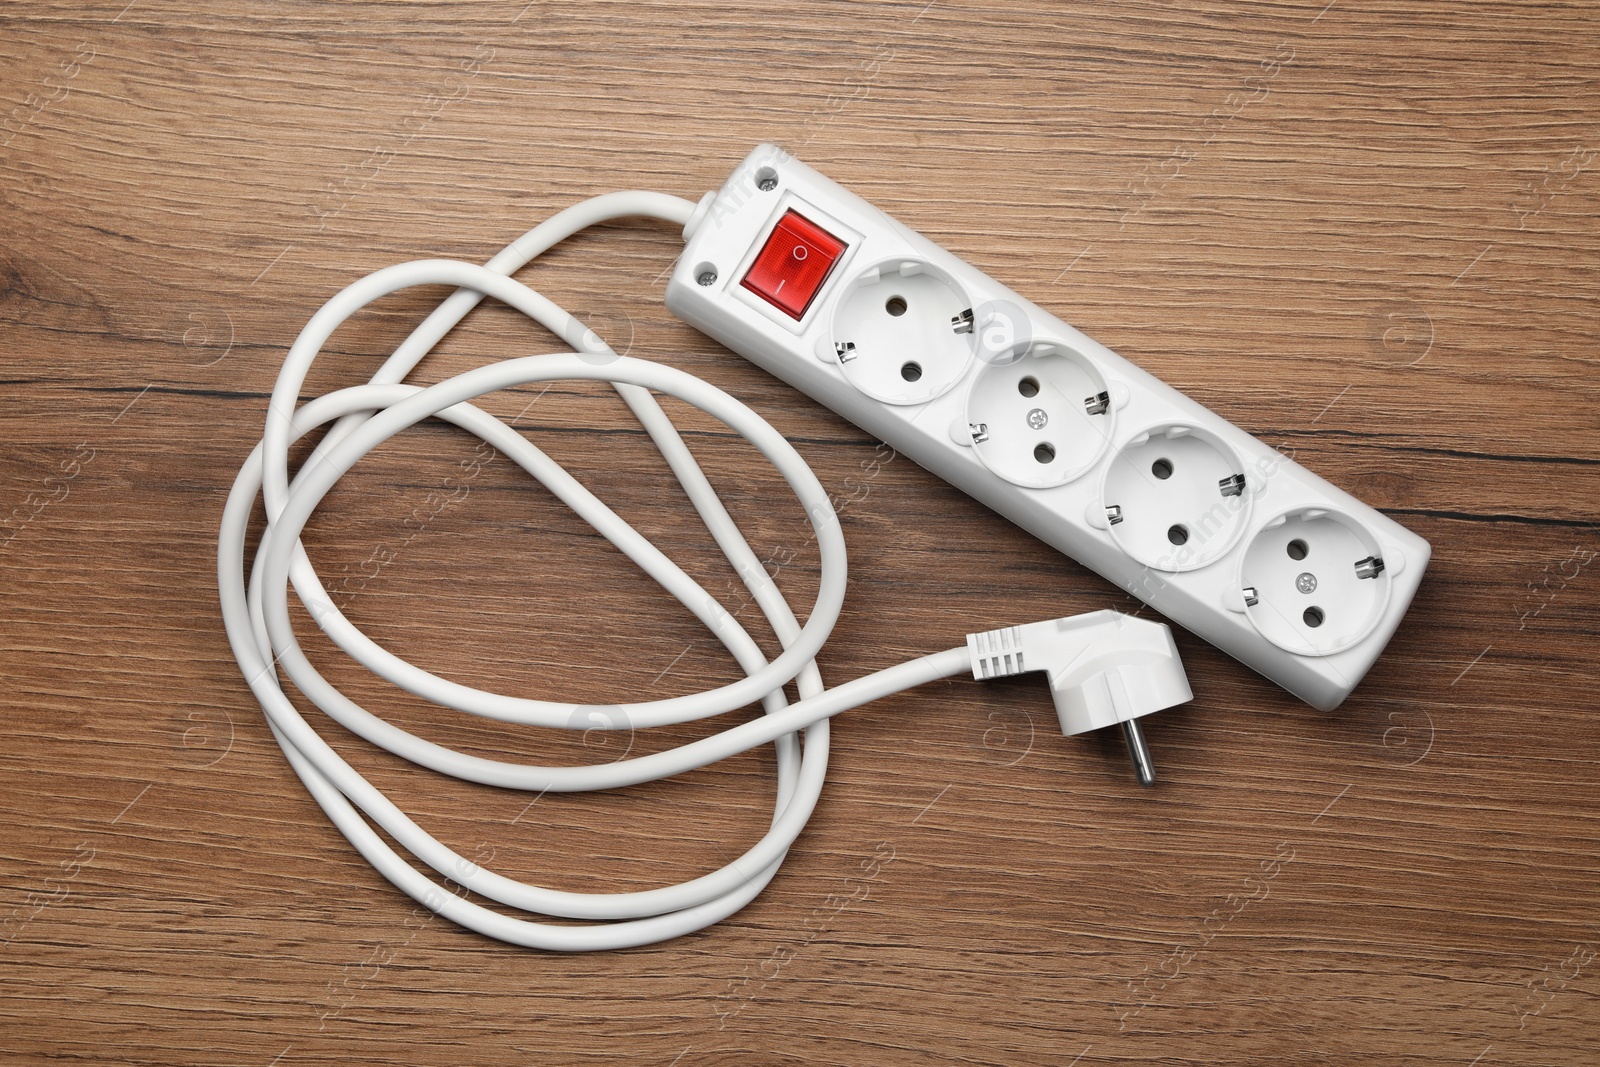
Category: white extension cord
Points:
column 1104, row 668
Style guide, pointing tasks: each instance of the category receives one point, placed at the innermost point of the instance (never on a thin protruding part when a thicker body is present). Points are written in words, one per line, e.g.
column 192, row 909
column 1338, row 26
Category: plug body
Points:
column 1104, row 668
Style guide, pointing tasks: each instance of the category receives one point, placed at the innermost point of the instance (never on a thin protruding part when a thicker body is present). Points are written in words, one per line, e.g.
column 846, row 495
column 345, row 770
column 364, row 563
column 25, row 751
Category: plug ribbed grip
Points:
column 996, row 653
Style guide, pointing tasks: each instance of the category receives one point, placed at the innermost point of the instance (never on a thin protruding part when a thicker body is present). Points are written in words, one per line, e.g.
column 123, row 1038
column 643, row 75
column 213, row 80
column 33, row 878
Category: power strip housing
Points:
column 1095, row 457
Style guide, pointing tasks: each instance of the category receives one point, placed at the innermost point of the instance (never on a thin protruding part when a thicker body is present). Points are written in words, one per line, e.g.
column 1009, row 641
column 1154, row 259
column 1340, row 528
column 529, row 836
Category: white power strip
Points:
column 1213, row 528
column 1090, row 453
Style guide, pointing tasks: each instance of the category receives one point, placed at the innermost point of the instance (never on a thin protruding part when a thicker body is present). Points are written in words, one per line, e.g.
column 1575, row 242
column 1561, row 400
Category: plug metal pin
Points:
column 1139, row 752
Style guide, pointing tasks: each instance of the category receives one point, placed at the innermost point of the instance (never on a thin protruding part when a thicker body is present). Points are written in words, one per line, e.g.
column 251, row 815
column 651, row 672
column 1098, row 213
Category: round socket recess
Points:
column 1314, row 581
column 1176, row 498
column 1040, row 420
column 902, row 332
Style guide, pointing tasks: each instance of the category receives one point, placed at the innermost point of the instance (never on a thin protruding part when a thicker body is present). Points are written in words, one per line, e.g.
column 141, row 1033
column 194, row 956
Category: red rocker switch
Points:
column 793, row 264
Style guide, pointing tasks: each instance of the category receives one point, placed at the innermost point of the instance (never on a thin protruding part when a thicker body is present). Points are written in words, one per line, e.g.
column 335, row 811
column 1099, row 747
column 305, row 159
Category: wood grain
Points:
column 1365, row 231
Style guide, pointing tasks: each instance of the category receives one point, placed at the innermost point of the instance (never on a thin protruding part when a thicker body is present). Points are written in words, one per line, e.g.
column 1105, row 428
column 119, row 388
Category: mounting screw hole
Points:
column 896, row 306
column 1162, row 468
column 1313, row 617
column 1297, row 550
column 706, row 274
column 1028, row 387
column 766, row 179
column 1044, row 453
column 910, row 371
column 1178, row 534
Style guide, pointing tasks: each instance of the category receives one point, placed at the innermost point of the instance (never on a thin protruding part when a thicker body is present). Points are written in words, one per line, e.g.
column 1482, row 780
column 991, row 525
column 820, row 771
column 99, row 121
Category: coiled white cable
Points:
column 262, row 637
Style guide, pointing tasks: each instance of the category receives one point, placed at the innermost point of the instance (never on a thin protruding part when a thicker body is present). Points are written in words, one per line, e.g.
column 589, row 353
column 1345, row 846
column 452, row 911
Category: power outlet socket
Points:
column 1211, row 527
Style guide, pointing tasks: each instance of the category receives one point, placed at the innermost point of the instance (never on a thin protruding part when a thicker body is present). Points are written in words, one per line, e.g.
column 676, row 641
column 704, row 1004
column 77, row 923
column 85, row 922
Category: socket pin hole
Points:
column 910, row 371
column 1297, row 550
column 1028, row 387
column 896, row 306
column 1044, row 453
column 1178, row 534
column 1162, row 468
column 1313, row 617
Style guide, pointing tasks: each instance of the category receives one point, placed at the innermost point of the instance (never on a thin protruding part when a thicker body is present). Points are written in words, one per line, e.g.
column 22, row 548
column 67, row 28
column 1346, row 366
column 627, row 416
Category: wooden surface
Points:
column 1365, row 232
